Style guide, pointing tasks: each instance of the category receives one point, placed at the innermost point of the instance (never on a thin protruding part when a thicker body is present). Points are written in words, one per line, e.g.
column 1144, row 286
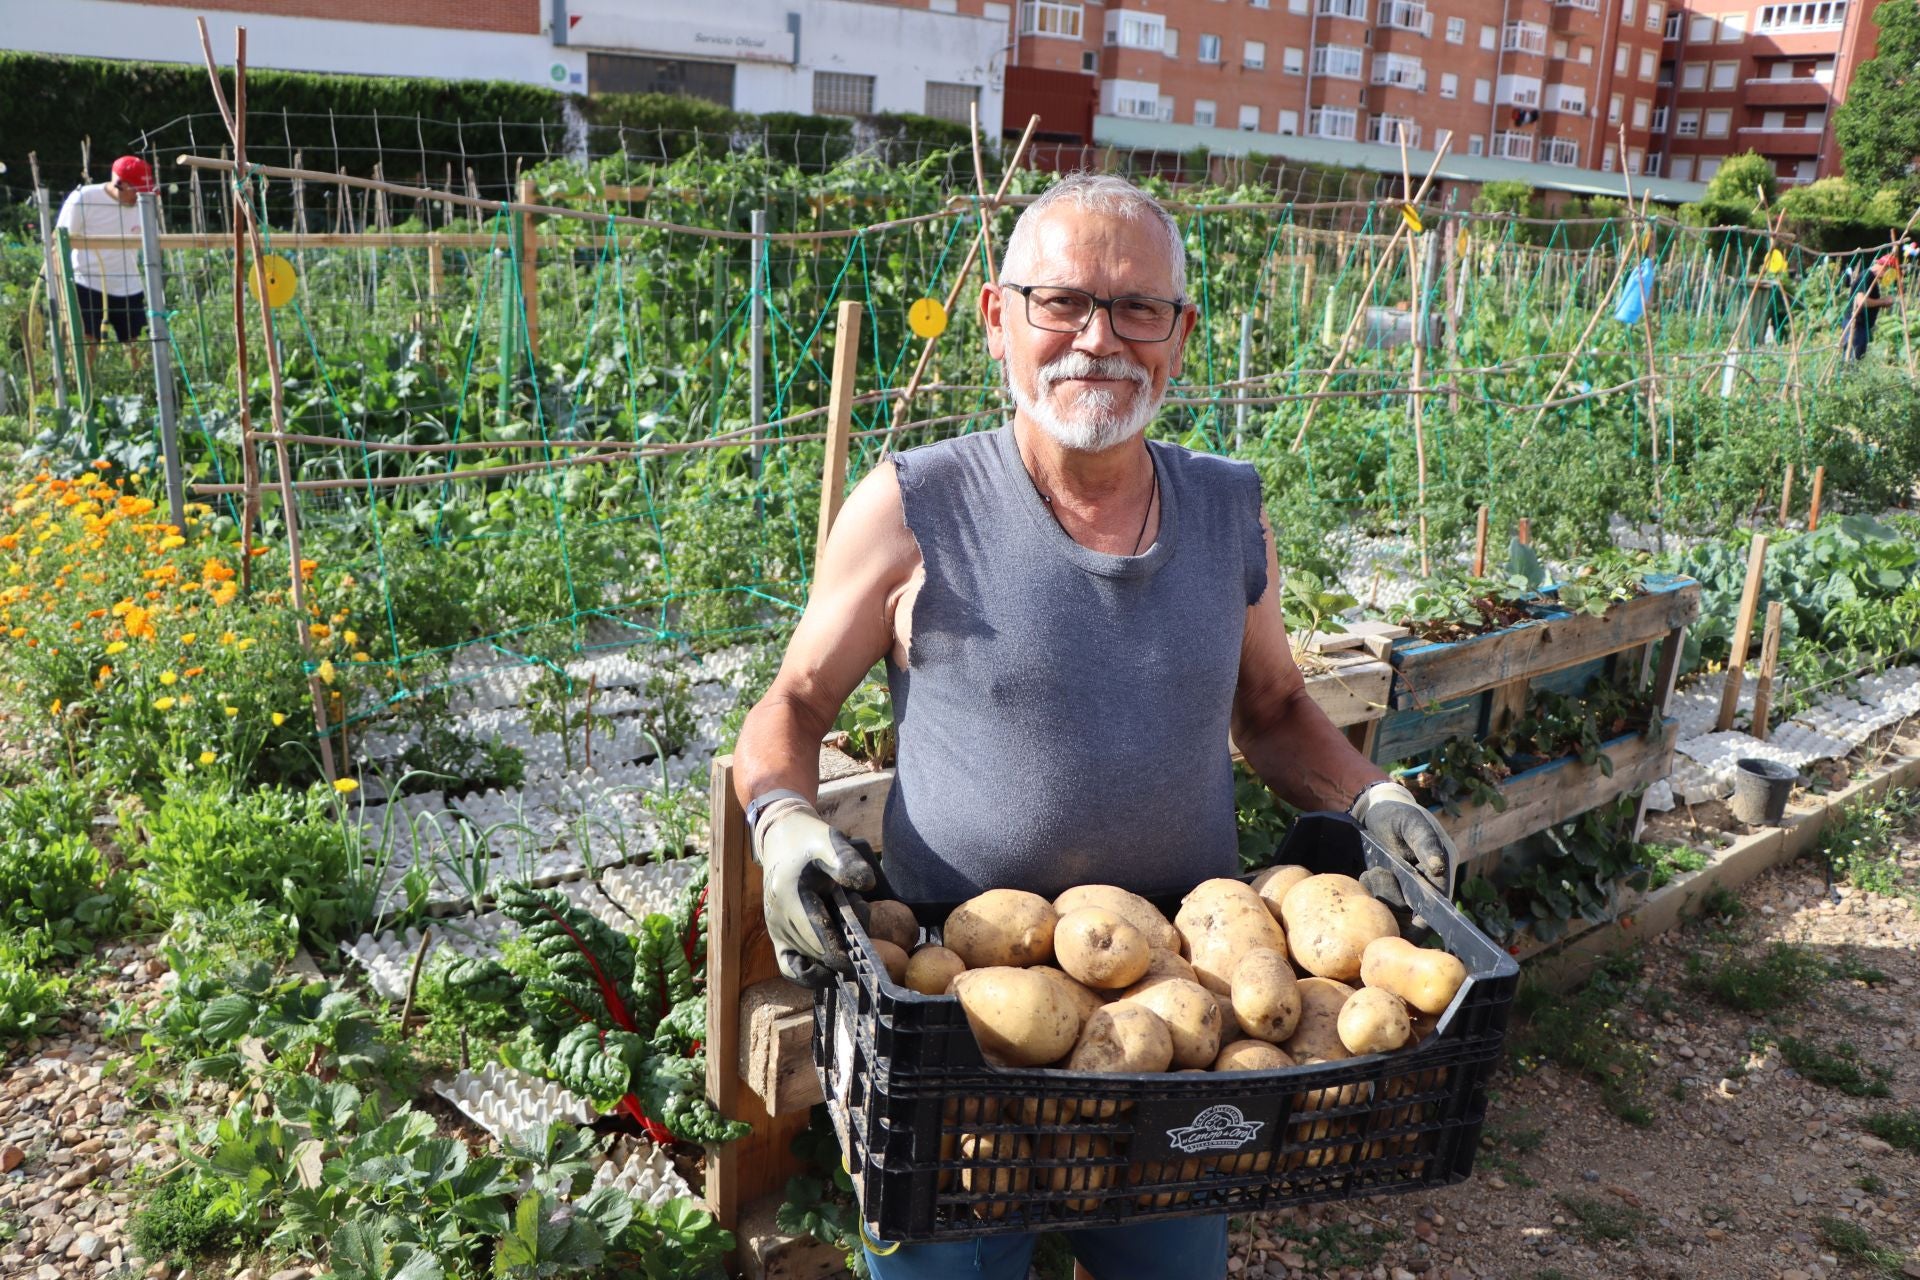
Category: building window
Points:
column 1665, row 78
column 1561, row 151
column 1681, row 170
column 1250, row 118
column 836, row 93
column 951, row 101
column 1607, row 158
column 1050, row 18
column 1567, row 99
column 1338, row 62
column 1134, row 99
column 1355, row 9
column 1652, row 166
column 1483, row 91
column 1561, row 49
column 1803, row 17
column 1656, row 14
column 943, row 6
column 1641, row 106
column 1693, row 75
column 1709, row 165
column 1289, row 122
column 1523, row 37
column 1406, row 15
column 1686, row 124
column 995, row 11
column 1488, row 38
column 1673, row 27
column 1456, row 30
column 621, row 73
column 1477, row 145
column 1700, row 29
column 1259, row 4
column 1203, row 109
column 1293, row 61
column 1255, row 57
column 1089, row 60
column 1170, row 44
column 1615, row 105
column 1296, row 6
column 1391, row 129
column 1634, row 155
column 1138, row 30
column 1620, row 56
column 1332, row 122
column 1166, row 106
column 1659, row 120
column 1649, row 63
column 1209, row 48
column 1399, row 70
column 1627, row 12
column 1513, row 146
column 1586, row 55
column 1449, row 85
column 1716, row 124
column 1518, row 91
column 1733, row 28
column 1726, row 75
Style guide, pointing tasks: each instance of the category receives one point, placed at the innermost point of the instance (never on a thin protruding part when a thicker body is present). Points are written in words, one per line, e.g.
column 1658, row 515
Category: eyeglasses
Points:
column 1137, row 317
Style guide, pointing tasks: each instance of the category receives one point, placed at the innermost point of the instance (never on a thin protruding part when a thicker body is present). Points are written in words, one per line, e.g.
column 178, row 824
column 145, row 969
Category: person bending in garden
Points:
column 1072, row 619
column 107, row 282
column 1868, row 301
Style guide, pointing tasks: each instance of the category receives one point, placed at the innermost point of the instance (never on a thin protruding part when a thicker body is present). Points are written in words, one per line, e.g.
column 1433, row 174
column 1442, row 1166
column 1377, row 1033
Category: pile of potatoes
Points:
column 1291, row 969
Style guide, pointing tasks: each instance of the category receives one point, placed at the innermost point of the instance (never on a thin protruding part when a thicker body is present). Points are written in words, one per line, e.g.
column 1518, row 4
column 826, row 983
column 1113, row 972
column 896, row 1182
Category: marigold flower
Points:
column 231, row 711
column 320, row 630
column 55, row 708
column 279, row 718
column 188, row 638
column 351, row 637
column 168, row 677
column 17, row 632
column 101, row 464
column 325, row 671
column 172, row 541
column 106, row 674
column 96, row 613
column 207, row 757
column 362, row 657
column 345, row 786
column 191, row 672
column 163, row 704
column 224, row 593
column 244, row 645
column 306, row 569
column 118, row 646
column 227, row 637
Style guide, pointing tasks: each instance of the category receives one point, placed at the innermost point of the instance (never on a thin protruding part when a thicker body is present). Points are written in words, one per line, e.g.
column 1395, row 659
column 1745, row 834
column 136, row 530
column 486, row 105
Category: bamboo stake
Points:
column 1786, row 494
column 236, row 118
column 833, row 478
column 529, row 268
column 1763, row 684
column 1416, row 308
column 1813, row 511
column 1360, row 312
column 1742, row 635
column 980, row 184
column 1524, row 532
column 1480, row 543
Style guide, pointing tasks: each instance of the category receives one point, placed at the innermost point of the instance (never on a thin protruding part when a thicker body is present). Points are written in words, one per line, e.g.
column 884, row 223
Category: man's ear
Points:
column 992, row 318
column 1183, row 329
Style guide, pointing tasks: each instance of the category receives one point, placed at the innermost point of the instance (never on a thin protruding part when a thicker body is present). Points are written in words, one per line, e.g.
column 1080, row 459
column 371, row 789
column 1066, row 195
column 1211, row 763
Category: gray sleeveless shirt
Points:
column 1063, row 716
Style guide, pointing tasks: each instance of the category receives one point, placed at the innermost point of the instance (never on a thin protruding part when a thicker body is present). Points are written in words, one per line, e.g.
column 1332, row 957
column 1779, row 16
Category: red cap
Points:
column 1886, row 260
column 132, row 171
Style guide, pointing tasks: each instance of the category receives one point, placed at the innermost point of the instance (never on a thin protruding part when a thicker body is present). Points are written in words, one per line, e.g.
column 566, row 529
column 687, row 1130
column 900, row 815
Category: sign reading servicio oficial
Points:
column 601, row 25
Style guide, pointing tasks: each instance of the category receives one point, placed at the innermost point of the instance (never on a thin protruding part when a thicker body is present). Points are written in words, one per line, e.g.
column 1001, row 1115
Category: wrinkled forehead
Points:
column 1107, row 253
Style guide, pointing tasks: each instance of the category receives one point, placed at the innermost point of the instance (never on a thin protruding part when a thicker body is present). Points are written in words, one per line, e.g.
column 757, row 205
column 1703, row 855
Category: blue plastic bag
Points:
column 1636, row 295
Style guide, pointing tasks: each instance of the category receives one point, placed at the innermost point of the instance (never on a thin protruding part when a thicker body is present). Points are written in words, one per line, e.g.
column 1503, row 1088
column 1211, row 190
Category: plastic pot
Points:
column 1760, row 789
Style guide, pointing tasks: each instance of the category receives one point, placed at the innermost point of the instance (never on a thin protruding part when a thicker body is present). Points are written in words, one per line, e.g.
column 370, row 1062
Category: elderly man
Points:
column 1868, row 302
column 107, row 282
column 1072, row 618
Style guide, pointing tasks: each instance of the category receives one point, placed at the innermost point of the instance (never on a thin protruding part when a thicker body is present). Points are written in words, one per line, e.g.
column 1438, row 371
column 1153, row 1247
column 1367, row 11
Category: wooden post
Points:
column 1786, row 493
column 833, row 474
column 1480, row 543
column 436, row 272
column 1813, row 511
column 1525, row 532
column 1742, row 635
column 529, row 269
column 1763, row 687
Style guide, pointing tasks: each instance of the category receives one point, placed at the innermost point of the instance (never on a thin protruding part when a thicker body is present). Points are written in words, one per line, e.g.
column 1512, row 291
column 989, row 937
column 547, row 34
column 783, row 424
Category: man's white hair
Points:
column 1101, row 193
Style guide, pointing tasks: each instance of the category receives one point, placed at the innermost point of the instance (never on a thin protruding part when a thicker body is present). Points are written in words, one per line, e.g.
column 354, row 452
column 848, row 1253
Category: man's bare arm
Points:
column 1285, row 737
column 845, row 630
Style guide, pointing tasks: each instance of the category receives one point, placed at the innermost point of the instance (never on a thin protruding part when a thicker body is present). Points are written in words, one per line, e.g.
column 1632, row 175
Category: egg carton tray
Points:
column 388, row 957
column 643, row 1171
column 648, row 887
column 509, row 1104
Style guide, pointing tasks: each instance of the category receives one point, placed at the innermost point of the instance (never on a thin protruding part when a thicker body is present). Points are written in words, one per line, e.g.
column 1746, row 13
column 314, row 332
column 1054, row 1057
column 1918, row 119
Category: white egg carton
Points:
column 508, row 1104
column 644, row 888
column 1659, row 795
column 590, row 898
column 1893, row 690
column 1695, row 784
column 1846, row 720
column 388, row 957
column 1697, row 706
column 643, row 1171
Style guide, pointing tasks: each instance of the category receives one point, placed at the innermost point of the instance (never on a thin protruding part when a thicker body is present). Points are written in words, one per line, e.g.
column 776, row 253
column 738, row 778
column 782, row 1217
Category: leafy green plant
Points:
column 1861, row 847
column 867, row 720
column 1586, row 1033
column 1785, row 974
column 187, row 1217
column 1900, row 1128
column 1835, row 1068
column 62, row 889
column 1464, row 771
column 31, row 998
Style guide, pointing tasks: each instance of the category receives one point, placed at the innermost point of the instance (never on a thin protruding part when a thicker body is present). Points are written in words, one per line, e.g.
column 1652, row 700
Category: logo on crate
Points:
column 1218, row 1128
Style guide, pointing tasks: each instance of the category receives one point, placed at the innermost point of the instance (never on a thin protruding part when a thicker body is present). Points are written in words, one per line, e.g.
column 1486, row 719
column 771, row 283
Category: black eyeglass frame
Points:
column 1100, row 304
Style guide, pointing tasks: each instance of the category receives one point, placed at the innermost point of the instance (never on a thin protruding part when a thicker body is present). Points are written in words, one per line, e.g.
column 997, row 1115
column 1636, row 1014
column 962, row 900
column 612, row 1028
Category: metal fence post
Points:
column 162, row 341
column 757, row 335
column 54, row 308
column 1242, row 391
column 82, row 366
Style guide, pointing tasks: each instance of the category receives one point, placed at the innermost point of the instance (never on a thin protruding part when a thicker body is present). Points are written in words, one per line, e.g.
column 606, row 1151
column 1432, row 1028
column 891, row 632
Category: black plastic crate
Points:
column 905, row 1084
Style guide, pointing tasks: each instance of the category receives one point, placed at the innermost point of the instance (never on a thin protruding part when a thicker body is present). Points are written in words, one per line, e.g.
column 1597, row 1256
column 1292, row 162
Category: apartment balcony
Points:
column 1804, row 91
column 1410, row 78
column 1524, row 38
column 1404, row 15
column 1783, row 142
column 1511, row 146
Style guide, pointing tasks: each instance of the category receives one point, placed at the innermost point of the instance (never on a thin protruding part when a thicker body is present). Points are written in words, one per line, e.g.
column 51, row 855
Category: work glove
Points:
column 799, row 855
column 1403, row 826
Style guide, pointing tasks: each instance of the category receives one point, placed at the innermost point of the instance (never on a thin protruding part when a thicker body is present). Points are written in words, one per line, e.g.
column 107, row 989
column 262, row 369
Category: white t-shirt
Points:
column 90, row 211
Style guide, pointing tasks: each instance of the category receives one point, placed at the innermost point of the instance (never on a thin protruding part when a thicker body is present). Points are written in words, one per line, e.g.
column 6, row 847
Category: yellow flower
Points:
column 320, row 631
column 345, row 786
column 227, row 637
column 279, row 718
column 55, row 708
column 231, row 711
column 362, row 657
column 106, row 674
column 163, row 704
column 351, row 637
column 168, row 677
column 207, row 757
column 189, row 637
column 118, row 646
column 325, row 671
column 171, row 541
column 244, row 645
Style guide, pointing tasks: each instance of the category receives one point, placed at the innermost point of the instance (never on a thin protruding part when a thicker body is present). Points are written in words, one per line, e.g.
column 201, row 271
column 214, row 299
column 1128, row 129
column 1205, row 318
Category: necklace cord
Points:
column 1153, row 495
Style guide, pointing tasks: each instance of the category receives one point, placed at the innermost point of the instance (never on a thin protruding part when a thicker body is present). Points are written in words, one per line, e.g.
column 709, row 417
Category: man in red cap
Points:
column 1868, row 302
column 107, row 282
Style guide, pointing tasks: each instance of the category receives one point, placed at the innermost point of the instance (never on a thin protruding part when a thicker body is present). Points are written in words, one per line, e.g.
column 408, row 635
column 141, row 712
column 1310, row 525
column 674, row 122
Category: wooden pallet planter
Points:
column 1427, row 675
column 1559, row 791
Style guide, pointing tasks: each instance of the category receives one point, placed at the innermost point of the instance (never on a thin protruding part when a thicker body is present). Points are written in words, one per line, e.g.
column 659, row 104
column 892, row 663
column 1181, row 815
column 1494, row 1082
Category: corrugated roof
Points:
column 1120, row 131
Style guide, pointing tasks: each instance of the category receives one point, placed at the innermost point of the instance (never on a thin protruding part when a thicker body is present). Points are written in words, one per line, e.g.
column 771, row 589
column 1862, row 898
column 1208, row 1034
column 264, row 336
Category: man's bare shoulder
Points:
column 871, row 539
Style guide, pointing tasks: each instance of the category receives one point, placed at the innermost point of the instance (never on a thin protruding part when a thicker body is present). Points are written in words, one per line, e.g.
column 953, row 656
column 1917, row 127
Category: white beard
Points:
column 1101, row 421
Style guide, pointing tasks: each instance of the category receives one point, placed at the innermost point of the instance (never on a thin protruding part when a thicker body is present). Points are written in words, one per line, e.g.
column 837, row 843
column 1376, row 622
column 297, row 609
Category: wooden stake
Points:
column 1525, row 532
column 833, row 476
column 1813, row 511
column 529, row 268
column 1480, row 543
column 980, row 182
column 436, row 273
column 1763, row 686
column 1786, row 493
column 1742, row 635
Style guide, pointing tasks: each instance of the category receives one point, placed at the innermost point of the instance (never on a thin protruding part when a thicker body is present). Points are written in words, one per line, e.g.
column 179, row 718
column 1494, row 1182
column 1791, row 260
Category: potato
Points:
column 962, row 1111
column 1082, row 1174
column 893, row 958
column 1001, row 927
column 1121, row 1038
column 1020, row 1018
column 1164, row 1171
column 1162, row 963
column 932, row 969
column 1221, row 921
column 1265, row 997
column 1252, row 1055
column 1098, row 948
column 893, row 921
column 1373, row 1021
column 1317, row 1035
column 1190, row 1013
column 1330, row 919
column 1420, row 1025
column 1131, row 907
column 1343, row 1095
column 1084, row 1001
column 1007, row 1180
column 1039, row 1111
column 1423, row 977
column 1273, row 883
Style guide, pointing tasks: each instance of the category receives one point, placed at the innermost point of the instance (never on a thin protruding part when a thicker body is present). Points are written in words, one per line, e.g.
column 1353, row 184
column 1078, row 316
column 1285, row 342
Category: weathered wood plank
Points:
column 768, row 1254
column 1353, row 692
column 776, row 1046
column 1414, row 732
column 1558, row 791
column 1430, row 673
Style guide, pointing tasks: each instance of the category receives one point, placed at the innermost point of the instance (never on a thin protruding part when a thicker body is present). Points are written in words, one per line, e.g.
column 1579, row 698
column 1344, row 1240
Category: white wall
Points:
column 164, row 33
column 901, row 48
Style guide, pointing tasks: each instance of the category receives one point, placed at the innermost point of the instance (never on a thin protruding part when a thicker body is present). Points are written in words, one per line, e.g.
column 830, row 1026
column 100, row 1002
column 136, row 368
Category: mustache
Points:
column 1075, row 364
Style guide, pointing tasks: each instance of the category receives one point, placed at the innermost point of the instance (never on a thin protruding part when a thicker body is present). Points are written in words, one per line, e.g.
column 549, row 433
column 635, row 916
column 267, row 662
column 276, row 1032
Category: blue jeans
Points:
column 1159, row 1249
